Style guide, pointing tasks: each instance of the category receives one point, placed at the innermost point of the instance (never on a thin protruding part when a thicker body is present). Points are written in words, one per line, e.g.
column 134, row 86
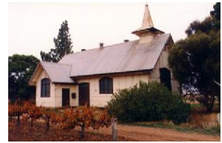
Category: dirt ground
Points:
column 125, row 133
column 38, row 133
column 156, row 134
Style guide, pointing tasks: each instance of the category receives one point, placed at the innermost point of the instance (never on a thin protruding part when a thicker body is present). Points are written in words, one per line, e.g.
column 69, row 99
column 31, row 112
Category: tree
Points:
column 216, row 12
column 63, row 45
column 210, row 23
column 195, row 61
column 20, row 69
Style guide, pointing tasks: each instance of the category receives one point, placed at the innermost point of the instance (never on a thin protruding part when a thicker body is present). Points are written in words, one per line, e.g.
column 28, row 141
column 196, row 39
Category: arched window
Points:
column 165, row 78
column 45, row 87
column 106, row 85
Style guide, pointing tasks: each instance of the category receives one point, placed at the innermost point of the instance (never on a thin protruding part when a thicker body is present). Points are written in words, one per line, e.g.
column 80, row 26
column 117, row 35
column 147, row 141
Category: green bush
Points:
column 148, row 102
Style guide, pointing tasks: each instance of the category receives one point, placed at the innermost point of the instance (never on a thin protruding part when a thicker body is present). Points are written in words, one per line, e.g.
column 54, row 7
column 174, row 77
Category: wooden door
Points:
column 65, row 97
column 84, row 94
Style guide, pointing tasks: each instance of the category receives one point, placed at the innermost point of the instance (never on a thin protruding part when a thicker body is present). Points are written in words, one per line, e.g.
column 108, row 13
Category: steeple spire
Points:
column 147, row 31
column 147, row 20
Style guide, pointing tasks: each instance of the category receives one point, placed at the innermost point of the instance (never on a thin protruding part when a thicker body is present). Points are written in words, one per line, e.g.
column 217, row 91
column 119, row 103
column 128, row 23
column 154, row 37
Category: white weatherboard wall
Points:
column 55, row 99
column 44, row 101
column 119, row 82
column 58, row 95
column 163, row 63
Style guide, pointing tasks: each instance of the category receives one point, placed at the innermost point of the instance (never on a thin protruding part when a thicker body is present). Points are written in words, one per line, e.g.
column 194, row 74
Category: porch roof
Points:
column 58, row 73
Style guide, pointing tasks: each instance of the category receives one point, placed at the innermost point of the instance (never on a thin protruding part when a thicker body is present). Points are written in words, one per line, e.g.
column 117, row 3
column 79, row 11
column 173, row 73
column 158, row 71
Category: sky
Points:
column 32, row 26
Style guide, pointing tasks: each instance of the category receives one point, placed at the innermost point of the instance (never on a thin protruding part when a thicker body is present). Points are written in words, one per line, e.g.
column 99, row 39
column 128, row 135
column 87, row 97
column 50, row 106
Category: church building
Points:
column 91, row 77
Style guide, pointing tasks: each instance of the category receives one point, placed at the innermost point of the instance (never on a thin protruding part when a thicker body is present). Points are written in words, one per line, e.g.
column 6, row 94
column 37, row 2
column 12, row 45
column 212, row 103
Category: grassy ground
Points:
column 182, row 128
column 199, row 122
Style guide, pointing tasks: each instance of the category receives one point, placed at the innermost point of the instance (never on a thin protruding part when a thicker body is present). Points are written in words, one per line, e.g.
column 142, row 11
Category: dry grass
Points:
column 199, row 121
column 203, row 120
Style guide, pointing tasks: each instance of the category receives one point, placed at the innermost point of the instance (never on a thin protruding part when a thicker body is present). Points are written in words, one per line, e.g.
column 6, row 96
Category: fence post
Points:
column 114, row 129
column 218, row 118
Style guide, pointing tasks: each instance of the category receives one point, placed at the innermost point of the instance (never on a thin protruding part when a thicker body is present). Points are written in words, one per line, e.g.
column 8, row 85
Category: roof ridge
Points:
column 103, row 47
column 112, row 45
column 56, row 63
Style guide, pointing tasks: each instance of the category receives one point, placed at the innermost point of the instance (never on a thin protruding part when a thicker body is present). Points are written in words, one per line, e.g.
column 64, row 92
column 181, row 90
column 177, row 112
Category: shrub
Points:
column 32, row 112
column 16, row 109
column 83, row 117
column 50, row 116
column 148, row 102
column 178, row 111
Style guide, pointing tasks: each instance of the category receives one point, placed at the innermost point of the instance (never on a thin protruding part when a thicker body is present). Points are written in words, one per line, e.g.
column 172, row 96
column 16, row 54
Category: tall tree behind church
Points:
column 63, row 45
column 195, row 60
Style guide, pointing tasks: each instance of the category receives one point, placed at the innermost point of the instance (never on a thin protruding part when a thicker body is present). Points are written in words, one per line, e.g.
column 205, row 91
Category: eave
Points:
column 140, row 31
column 145, row 71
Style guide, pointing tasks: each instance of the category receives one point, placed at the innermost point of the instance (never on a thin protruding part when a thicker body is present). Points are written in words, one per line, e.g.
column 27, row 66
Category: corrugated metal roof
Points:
column 59, row 73
column 123, row 57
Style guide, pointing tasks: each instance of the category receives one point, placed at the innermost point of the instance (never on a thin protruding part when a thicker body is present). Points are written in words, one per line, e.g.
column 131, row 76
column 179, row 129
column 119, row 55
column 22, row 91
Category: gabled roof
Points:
column 119, row 58
column 124, row 57
column 58, row 73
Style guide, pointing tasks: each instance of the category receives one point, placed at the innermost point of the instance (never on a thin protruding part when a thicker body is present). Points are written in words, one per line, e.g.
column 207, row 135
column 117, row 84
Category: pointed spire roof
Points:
column 147, row 23
column 147, row 20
